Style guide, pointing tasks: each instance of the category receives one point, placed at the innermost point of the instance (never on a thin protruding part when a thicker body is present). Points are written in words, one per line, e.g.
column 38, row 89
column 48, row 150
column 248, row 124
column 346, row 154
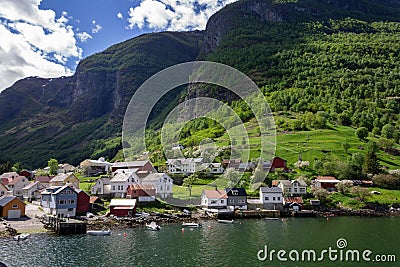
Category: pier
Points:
column 64, row 226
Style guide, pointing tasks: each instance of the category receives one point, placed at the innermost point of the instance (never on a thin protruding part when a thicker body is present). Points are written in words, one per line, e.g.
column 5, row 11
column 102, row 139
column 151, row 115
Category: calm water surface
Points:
column 213, row 245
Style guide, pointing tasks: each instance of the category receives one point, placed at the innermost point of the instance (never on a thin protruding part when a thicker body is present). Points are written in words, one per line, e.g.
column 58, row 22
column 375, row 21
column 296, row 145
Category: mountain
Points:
column 332, row 58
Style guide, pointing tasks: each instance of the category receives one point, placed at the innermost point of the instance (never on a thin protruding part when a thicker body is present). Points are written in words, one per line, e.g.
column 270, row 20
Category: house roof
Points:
column 122, row 202
column 3, row 187
column 293, row 200
column 4, row 200
column 62, row 188
column 94, row 162
column 43, row 178
column 94, row 199
column 121, row 177
column 61, row 177
column 29, row 186
column 288, row 183
column 155, row 177
column 9, row 175
column 327, row 179
column 212, row 193
column 129, row 164
column 270, row 190
column 235, row 192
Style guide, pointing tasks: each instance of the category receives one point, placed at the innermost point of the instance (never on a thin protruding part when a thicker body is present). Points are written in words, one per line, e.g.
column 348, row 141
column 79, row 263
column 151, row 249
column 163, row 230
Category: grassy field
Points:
column 323, row 144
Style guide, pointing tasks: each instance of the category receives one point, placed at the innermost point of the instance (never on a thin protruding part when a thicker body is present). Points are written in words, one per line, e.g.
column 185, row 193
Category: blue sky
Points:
column 47, row 38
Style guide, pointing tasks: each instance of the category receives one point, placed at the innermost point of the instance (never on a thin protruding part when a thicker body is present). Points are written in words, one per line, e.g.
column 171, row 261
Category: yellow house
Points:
column 11, row 207
column 64, row 179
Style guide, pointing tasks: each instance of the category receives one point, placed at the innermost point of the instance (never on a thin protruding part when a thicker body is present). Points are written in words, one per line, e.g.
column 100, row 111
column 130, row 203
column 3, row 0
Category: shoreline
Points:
column 8, row 229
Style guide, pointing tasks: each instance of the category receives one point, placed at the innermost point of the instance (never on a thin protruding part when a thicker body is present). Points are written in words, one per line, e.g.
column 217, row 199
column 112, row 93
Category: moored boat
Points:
column 99, row 232
column 153, row 226
column 191, row 224
column 226, row 221
column 21, row 237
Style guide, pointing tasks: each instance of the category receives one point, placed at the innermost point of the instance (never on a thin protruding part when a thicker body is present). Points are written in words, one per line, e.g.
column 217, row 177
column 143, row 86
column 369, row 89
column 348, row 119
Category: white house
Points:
column 293, row 187
column 271, row 198
column 102, row 187
column 184, row 165
column 214, row 199
column 17, row 184
column 161, row 182
column 32, row 191
column 120, row 182
column 213, row 168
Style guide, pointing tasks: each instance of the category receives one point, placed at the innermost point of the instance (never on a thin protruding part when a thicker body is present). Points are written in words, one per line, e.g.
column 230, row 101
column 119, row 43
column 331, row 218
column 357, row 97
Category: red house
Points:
column 123, row 207
column 143, row 193
column 279, row 163
column 82, row 201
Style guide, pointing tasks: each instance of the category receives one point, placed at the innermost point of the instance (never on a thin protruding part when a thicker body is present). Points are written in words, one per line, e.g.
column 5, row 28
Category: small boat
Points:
column 191, row 224
column 226, row 221
column 21, row 237
column 153, row 226
column 99, row 232
column 272, row 218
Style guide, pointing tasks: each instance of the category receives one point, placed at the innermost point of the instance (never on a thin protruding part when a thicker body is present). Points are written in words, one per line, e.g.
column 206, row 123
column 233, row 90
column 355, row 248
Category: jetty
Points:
column 64, row 226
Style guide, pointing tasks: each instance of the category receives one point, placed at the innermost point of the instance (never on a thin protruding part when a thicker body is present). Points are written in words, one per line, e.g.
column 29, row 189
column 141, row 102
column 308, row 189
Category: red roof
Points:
column 215, row 193
column 298, row 200
column 275, row 182
column 327, row 178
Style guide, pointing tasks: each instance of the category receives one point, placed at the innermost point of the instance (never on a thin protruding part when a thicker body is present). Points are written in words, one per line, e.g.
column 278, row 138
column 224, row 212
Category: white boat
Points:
column 191, row 224
column 153, row 226
column 225, row 221
column 21, row 237
column 272, row 218
column 99, row 232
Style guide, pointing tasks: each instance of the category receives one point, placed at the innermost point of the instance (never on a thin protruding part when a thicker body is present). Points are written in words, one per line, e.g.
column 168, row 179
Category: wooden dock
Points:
column 242, row 214
column 64, row 226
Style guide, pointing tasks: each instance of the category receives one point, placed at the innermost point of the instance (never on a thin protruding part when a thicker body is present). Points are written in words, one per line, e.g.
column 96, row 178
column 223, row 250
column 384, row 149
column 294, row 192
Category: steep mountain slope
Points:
column 69, row 118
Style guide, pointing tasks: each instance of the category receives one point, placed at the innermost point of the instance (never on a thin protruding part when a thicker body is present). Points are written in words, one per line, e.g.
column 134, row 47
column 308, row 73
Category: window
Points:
column 273, row 198
column 295, row 190
column 290, row 190
column 222, row 201
column 213, row 202
column 113, row 187
column 279, row 198
column 63, row 192
column 266, row 198
column 15, row 206
column 71, row 201
column 61, row 202
column 231, row 201
column 160, row 188
column 302, row 190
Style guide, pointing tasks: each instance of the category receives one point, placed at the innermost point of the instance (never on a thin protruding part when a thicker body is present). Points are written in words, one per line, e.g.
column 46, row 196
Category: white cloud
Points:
column 96, row 28
column 83, row 36
column 34, row 42
column 120, row 16
column 174, row 15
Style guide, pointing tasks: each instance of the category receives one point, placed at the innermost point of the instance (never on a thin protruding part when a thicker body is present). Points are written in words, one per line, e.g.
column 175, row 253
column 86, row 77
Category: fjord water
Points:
column 214, row 244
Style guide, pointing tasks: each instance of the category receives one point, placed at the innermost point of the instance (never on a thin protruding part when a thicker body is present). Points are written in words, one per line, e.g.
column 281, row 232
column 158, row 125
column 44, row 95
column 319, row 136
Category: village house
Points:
column 246, row 167
column 101, row 188
column 184, row 165
column 4, row 191
column 65, row 179
column 7, row 177
column 326, row 182
column 27, row 174
column 231, row 163
column 271, row 198
column 214, row 199
column 60, row 201
column 123, row 207
column 120, row 182
column 293, row 203
column 32, row 191
column 213, row 168
column 161, row 182
column 95, row 203
column 17, row 184
column 95, row 167
column 143, row 165
column 292, row 187
column 143, row 193
column 11, row 207
column 82, row 201
column 278, row 163
column 64, row 168
column 44, row 179
column 237, row 198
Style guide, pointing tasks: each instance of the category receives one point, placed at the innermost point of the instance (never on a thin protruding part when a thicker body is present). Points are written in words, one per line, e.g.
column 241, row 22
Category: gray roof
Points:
column 4, row 200
column 61, row 177
column 270, row 189
column 31, row 185
column 120, row 177
column 62, row 188
column 130, row 164
column 235, row 192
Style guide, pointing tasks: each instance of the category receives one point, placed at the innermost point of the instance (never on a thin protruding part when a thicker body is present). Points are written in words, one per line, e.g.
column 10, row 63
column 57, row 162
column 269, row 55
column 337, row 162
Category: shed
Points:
column 11, row 207
column 123, row 207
